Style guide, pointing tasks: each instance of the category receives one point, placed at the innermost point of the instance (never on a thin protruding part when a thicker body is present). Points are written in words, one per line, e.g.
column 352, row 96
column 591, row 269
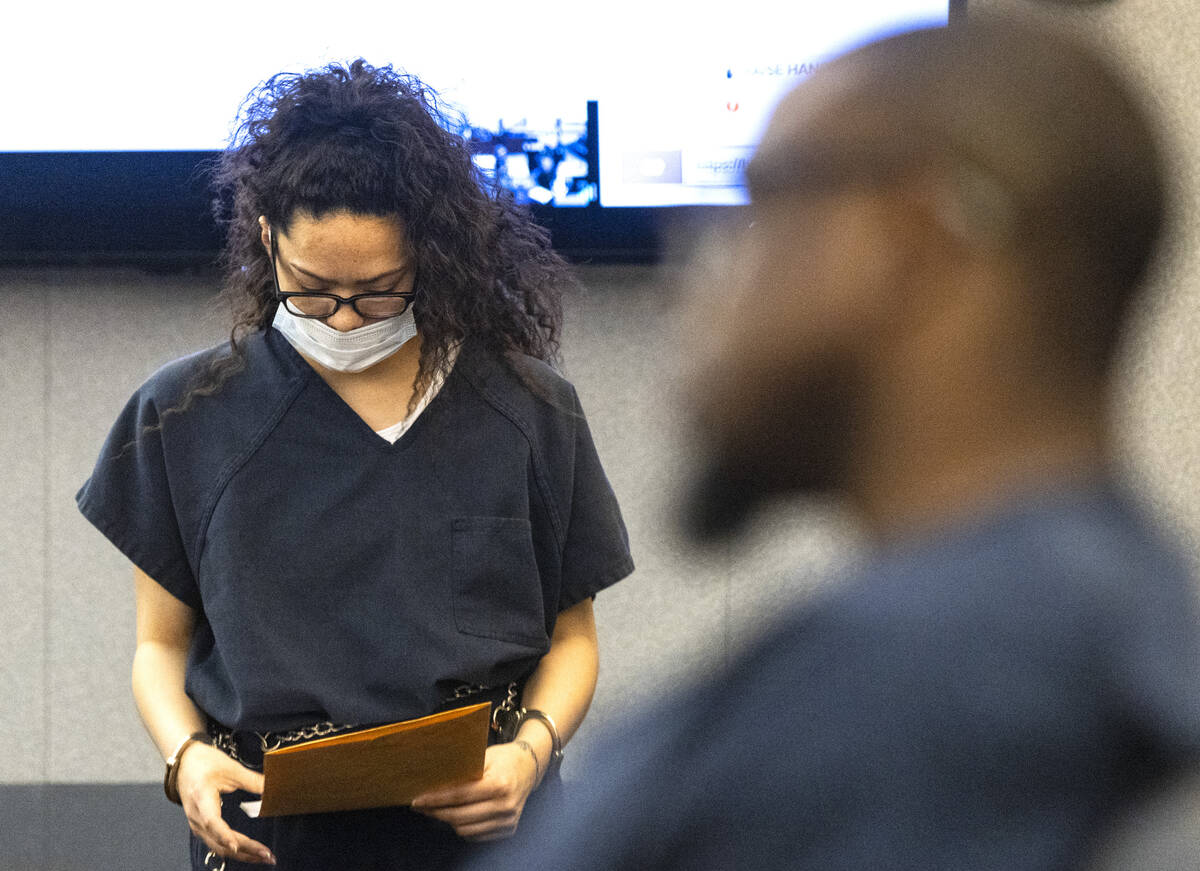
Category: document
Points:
column 379, row 767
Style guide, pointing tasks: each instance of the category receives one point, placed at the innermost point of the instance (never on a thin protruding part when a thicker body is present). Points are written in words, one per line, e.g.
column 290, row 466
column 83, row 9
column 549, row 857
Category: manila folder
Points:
column 379, row 767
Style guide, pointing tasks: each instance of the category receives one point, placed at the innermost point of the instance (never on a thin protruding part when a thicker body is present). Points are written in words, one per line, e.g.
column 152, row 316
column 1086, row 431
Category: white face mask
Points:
column 351, row 351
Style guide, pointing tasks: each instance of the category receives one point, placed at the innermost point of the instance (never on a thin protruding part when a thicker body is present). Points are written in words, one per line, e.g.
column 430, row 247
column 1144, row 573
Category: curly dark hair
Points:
column 373, row 141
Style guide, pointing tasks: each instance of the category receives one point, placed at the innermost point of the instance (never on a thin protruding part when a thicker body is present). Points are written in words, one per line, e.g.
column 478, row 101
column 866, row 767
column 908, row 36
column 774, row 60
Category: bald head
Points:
column 949, row 228
column 1047, row 156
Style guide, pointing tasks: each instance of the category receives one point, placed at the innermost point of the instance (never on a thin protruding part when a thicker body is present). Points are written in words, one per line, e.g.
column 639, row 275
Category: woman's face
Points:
column 344, row 254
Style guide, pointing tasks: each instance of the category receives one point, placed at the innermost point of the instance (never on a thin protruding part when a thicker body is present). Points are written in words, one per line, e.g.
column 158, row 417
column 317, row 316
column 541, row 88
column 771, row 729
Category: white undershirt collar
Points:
column 395, row 431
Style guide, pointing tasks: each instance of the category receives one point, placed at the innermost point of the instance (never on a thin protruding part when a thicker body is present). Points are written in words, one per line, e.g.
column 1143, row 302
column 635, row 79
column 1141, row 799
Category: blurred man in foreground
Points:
column 948, row 231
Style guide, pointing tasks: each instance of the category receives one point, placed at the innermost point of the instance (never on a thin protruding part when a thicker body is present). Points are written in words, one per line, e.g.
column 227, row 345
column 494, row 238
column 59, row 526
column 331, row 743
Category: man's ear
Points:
column 931, row 224
column 916, row 253
column 956, row 275
column 266, row 232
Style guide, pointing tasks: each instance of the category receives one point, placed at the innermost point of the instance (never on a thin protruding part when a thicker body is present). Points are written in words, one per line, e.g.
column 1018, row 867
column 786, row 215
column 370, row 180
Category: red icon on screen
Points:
column 732, row 106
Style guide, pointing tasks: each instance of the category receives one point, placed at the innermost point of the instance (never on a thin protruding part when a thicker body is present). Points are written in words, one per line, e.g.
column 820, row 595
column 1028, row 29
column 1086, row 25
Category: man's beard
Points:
column 796, row 444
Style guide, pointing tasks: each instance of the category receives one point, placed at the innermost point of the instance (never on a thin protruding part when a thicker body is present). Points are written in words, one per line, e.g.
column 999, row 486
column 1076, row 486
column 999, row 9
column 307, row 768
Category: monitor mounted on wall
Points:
column 604, row 120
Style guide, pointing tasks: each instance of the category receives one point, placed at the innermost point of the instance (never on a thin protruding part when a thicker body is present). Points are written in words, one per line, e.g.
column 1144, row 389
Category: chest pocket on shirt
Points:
column 498, row 593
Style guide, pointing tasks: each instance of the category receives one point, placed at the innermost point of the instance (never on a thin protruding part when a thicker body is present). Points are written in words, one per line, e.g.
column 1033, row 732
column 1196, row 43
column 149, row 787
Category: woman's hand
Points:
column 489, row 808
column 205, row 774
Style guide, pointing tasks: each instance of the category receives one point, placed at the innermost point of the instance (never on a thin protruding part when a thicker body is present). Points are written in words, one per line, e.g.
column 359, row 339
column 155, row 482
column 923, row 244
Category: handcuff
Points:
column 507, row 719
column 171, row 776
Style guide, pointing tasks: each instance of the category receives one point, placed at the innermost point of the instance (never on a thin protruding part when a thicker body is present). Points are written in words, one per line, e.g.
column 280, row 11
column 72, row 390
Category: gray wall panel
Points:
column 23, row 387
column 670, row 616
column 109, row 330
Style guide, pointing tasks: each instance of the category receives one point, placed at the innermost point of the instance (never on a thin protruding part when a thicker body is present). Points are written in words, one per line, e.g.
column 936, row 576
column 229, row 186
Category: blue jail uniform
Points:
column 339, row 577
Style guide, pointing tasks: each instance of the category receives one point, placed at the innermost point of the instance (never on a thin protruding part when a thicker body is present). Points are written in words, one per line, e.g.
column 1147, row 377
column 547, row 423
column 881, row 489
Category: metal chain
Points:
column 502, row 722
column 502, row 714
column 465, row 691
column 275, row 740
column 505, row 718
column 223, row 740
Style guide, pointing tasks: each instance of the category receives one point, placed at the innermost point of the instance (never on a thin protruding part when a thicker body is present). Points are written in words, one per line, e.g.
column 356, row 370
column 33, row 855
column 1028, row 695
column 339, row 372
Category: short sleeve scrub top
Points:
column 339, row 577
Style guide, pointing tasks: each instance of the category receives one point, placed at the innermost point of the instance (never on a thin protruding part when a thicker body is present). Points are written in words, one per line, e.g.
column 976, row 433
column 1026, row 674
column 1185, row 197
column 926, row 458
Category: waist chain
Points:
column 240, row 746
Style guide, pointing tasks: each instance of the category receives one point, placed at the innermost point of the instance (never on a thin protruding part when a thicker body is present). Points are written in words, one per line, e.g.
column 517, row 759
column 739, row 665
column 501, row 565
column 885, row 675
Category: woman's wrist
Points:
column 539, row 740
column 535, row 715
column 540, row 730
column 171, row 777
column 538, row 767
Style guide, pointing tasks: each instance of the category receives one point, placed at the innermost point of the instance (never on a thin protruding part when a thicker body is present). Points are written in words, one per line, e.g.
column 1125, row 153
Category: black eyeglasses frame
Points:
column 282, row 296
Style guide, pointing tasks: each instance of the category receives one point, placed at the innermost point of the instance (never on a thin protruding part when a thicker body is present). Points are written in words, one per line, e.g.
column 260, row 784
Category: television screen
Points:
column 622, row 106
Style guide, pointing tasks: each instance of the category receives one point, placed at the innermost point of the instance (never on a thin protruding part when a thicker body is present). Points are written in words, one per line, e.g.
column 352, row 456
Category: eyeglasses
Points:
column 311, row 304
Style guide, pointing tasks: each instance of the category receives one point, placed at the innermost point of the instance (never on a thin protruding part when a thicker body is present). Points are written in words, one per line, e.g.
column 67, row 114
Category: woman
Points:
column 377, row 500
